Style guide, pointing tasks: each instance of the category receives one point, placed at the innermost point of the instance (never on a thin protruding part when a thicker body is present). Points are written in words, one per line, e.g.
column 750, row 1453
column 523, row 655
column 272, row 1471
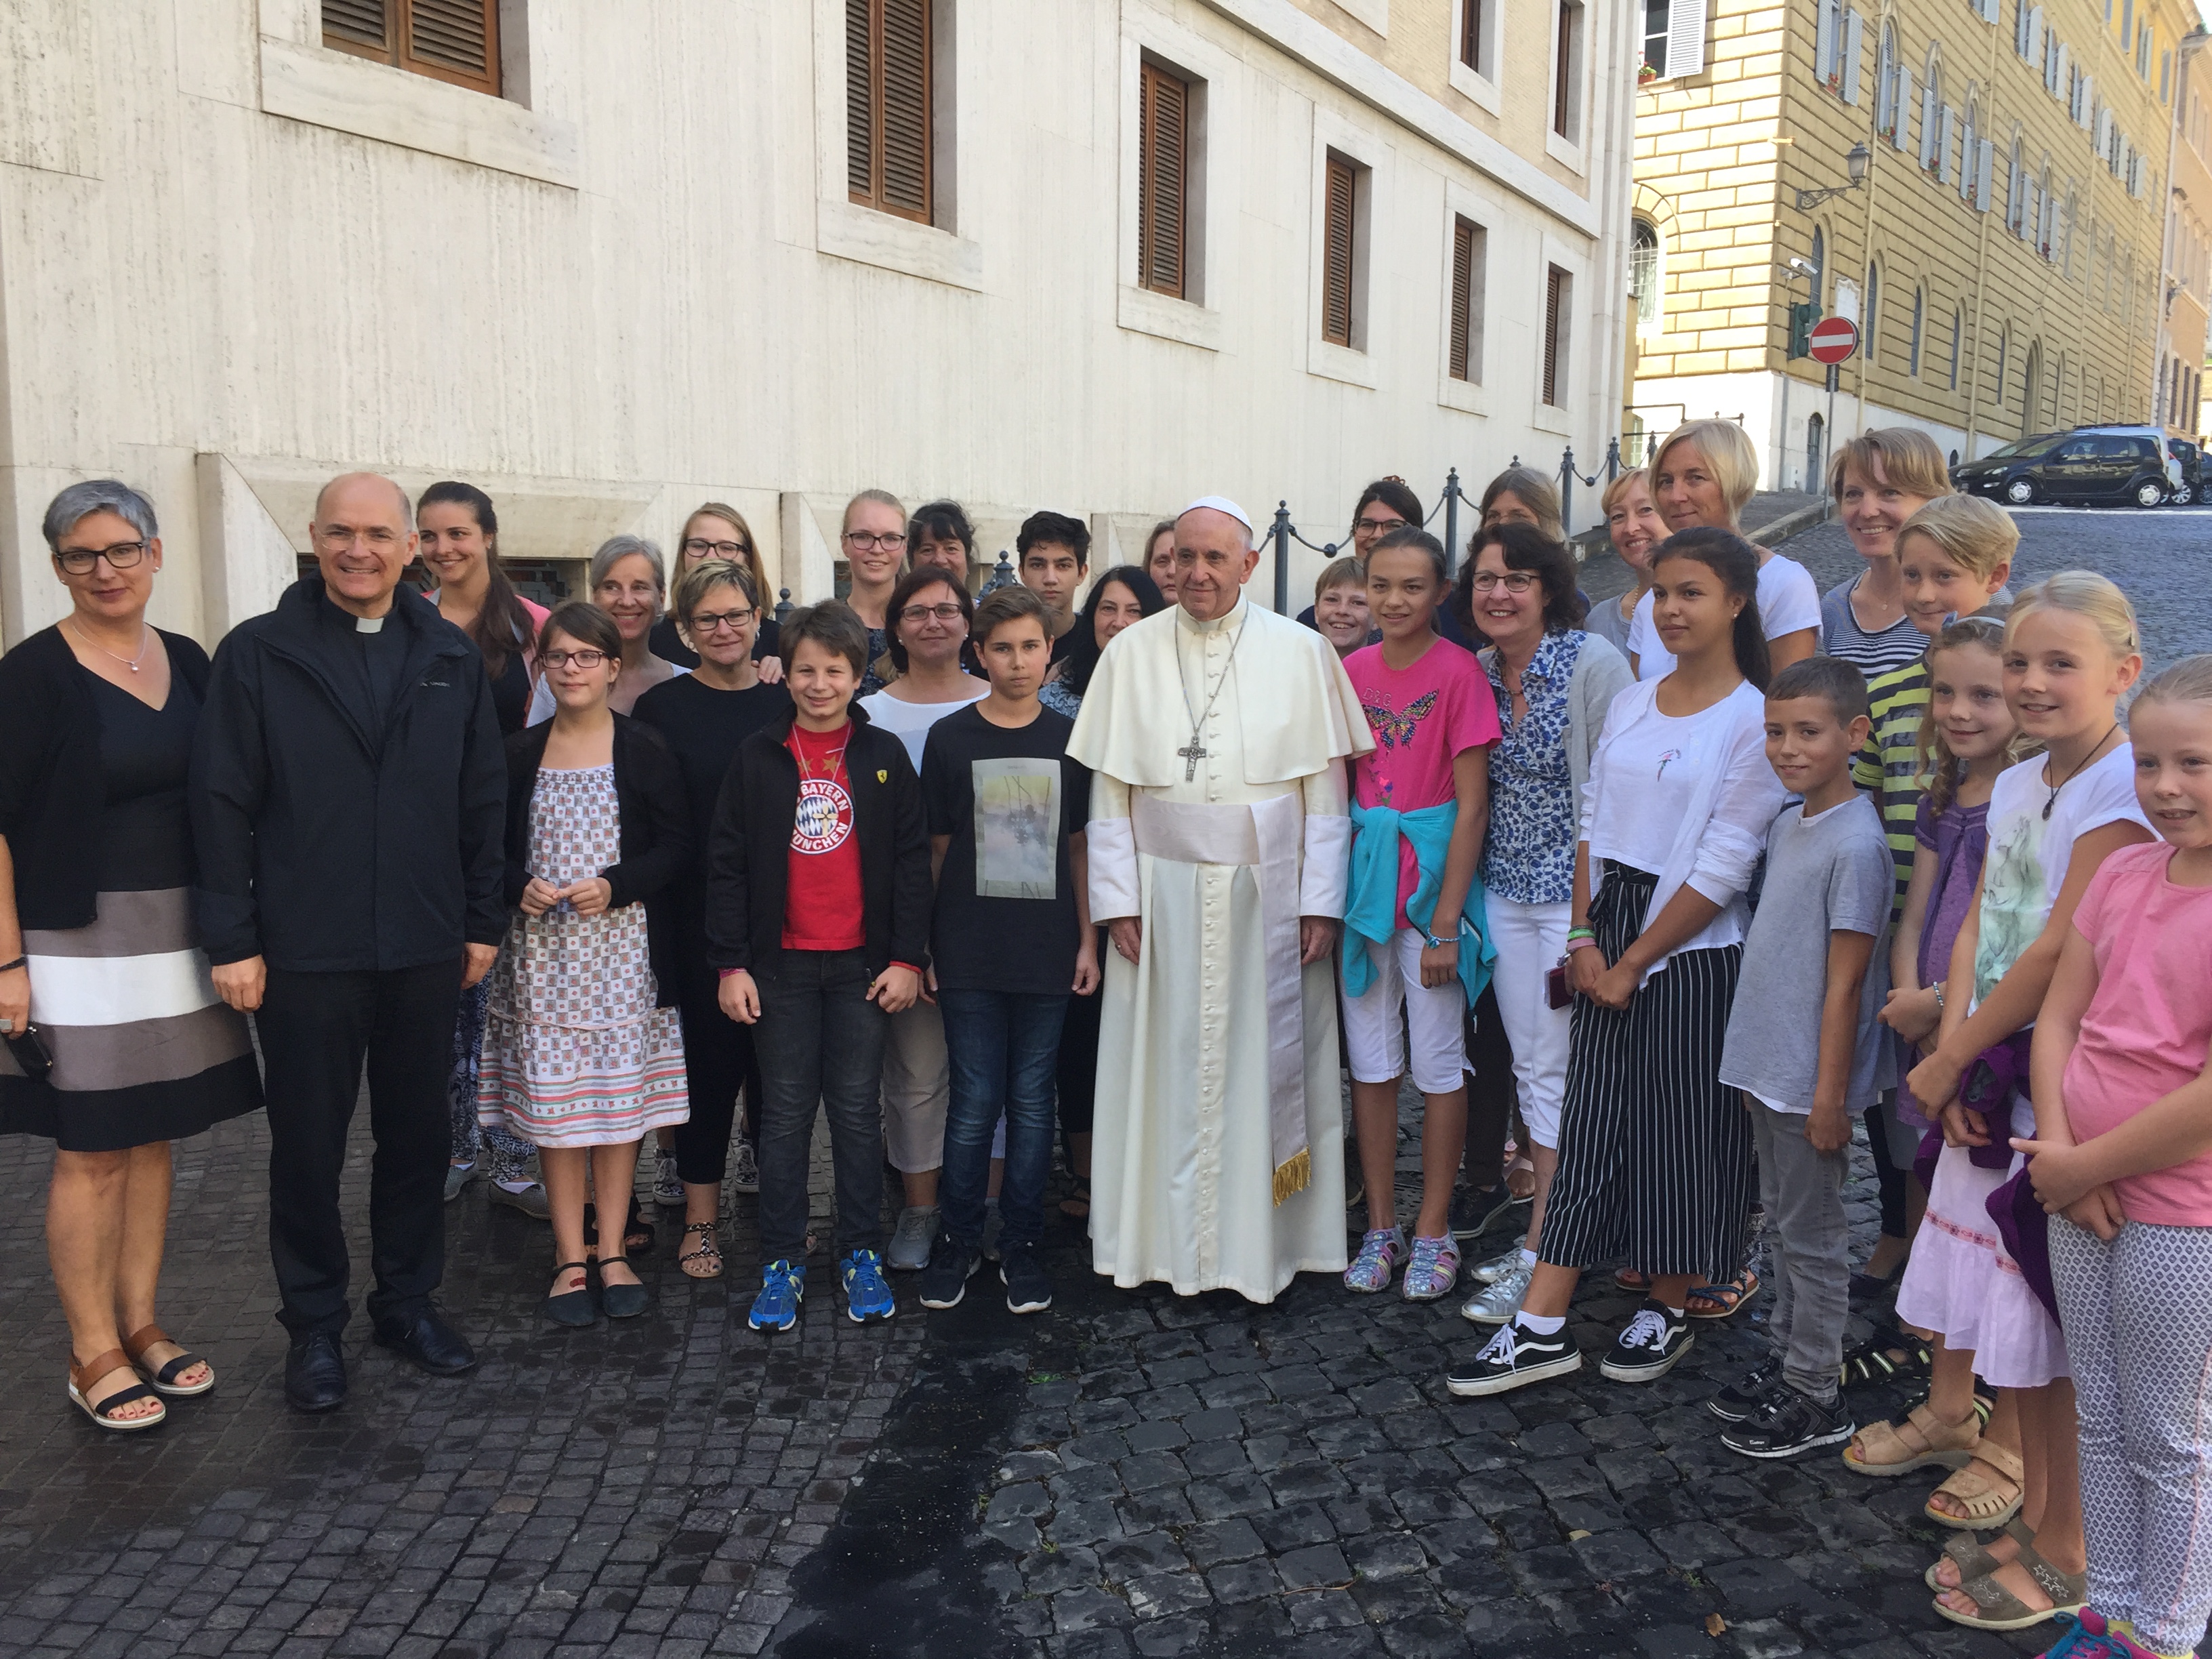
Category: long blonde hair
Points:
column 1940, row 770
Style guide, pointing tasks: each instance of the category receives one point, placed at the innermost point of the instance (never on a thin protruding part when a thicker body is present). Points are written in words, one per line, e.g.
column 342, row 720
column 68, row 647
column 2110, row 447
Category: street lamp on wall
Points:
column 1855, row 163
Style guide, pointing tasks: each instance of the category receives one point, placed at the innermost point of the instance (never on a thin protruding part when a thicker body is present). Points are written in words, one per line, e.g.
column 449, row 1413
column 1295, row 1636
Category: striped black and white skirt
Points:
column 1655, row 1152
column 143, row 1047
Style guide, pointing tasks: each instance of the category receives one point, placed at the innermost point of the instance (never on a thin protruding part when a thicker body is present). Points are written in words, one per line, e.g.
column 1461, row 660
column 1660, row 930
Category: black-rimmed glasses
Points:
column 79, row 561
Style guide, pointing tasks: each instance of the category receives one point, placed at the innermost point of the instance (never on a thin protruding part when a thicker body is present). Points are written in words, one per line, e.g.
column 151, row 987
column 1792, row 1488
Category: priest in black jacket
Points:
column 348, row 790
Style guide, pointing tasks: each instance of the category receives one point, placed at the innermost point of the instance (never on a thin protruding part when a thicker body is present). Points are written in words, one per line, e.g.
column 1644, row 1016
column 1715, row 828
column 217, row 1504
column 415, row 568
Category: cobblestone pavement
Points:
column 1131, row 1474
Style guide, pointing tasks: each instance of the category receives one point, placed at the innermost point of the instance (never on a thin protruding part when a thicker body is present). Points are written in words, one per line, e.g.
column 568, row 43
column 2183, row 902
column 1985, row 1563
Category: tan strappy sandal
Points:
column 1915, row 1441
column 1989, row 1489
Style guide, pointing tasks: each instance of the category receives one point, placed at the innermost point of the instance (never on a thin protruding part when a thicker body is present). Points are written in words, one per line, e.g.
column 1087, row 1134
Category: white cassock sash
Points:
column 1268, row 835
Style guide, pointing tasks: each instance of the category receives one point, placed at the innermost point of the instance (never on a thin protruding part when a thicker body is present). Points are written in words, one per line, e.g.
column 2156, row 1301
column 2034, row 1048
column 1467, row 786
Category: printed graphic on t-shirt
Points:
column 2014, row 903
column 825, row 817
column 1391, row 730
column 1018, row 813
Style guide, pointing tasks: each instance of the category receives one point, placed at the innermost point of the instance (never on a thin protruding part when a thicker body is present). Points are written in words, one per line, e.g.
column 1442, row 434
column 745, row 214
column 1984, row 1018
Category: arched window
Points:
column 2016, row 186
column 1643, row 271
column 1969, row 148
column 2031, row 389
column 1820, row 268
column 1919, row 316
column 1872, row 308
column 1958, row 330
column 1884, row 83
column 2001, row 371
column 1931, row 110
column 1816, row 434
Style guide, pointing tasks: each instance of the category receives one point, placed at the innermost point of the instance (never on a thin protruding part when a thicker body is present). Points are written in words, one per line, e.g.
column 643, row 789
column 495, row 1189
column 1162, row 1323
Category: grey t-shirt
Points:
column 1826, row 874
column 1606, row 622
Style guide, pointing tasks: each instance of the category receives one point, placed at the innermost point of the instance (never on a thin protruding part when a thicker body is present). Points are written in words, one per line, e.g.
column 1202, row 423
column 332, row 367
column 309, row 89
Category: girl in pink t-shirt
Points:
column 2123, row 1162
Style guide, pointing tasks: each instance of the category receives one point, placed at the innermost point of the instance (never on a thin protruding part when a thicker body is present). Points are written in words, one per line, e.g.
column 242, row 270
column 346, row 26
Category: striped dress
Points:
column 576, row 1051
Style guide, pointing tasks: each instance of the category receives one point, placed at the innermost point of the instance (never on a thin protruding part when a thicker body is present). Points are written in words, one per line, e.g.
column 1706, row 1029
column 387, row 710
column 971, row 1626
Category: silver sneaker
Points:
column 1498, row 1265
column 667, row 1185
column 531, row 1200
column 910, row 1243
column 744, row 1175
column 1501, row 1298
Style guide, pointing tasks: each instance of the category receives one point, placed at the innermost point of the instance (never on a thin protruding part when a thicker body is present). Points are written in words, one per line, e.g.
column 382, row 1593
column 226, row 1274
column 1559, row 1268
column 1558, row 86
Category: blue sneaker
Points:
column 783, row 1287
column 867, row 1296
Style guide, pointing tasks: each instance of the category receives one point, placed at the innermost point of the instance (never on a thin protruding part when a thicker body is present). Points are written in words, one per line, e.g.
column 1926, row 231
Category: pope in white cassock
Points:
column 1216, row 732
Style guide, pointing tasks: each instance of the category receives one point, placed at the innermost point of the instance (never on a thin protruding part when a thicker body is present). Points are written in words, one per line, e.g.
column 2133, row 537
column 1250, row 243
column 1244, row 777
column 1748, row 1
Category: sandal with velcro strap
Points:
column 1913, row 1441
column 1972, row 1560
column 1996, row 1608
column 1892, row 1352
column 1989, row 1503
column 82, row 1377
column 164, row 1378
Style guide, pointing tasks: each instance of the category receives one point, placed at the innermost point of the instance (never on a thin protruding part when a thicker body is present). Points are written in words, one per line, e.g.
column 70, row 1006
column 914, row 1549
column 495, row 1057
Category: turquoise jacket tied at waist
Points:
column 1370, row 912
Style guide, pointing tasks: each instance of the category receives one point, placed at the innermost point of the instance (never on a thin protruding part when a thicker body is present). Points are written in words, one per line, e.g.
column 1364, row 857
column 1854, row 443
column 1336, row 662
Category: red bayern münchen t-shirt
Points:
column 822, row 907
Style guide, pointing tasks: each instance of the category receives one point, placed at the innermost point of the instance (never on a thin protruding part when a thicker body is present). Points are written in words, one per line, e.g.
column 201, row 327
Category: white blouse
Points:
column 1788, row 602
column 1688, row 798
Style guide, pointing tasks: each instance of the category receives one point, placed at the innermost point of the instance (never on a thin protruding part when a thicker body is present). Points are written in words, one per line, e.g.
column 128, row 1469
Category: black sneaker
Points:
column 1649, row 1345
column 1740, row 1400
column 1476, row 1210
column 952, row 1264
column 1029, row 1287
column 1514, row 1358
column 1787, row 1424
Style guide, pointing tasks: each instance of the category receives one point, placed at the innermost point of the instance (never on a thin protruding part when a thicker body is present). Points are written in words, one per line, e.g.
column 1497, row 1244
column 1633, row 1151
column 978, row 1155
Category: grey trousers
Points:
column 1810, row 1262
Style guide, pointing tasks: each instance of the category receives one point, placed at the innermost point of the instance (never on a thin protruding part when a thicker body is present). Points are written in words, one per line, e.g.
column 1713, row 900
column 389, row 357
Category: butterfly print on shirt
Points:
column 1393, row 729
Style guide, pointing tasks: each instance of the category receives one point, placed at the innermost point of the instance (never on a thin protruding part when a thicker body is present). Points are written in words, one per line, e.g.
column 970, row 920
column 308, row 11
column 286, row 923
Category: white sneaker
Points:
column 745, row 1176
column 1498, row 1265
column 910, row 1241
column 1500, row 1299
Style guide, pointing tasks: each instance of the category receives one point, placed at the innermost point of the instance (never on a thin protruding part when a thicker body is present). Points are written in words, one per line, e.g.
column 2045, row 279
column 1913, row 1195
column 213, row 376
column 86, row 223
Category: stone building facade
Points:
column 2183, row 341
column 609, row 260
column 2002, row 255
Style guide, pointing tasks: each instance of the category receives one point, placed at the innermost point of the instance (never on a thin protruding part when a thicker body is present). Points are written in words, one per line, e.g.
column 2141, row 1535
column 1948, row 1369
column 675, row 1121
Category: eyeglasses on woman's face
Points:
column 1514, row 581
column 891, row 542
column 585, row 658
column 120, row 556
column 698, row 547
column 919, row 613
column 713, row 622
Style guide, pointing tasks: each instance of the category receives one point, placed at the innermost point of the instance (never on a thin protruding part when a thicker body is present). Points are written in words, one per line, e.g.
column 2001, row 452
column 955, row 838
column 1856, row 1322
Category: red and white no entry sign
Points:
column 1834, row 339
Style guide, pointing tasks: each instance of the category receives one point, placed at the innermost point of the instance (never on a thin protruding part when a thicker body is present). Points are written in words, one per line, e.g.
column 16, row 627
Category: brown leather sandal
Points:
column 1988, row 1488
column 82, row 1377
column 165, row 1378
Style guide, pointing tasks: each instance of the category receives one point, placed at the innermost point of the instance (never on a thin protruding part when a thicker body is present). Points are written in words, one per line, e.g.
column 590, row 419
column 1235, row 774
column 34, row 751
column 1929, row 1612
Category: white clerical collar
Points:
column 368, row 624
column 1234, row 614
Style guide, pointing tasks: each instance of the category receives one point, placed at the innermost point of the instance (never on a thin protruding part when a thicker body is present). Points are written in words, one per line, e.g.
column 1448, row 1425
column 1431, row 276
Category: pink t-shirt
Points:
column 2149, row 1026
column 1423, row 717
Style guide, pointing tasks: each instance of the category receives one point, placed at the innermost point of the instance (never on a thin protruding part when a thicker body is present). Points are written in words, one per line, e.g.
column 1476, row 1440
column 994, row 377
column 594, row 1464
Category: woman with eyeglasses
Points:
column 873, row 543
column 583, row 1049
column 717, row 533
column 929, row 614
column 132, row 1048
column 704, row 716
column 1385, row 506
column 630, row 582
column 1553, row 681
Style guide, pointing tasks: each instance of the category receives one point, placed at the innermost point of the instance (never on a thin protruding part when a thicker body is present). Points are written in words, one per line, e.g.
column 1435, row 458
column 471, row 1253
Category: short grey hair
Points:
column 613, row 550
column 81, row 501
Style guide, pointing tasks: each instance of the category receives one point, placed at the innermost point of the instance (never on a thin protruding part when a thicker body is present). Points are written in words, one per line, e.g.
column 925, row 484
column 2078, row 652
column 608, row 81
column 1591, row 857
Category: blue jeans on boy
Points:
column 1005, row 1050
column 821, row 1043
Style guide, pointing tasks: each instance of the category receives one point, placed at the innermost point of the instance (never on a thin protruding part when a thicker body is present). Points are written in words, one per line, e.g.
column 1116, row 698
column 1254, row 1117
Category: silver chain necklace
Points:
column 145, row 640
column 1193, row 752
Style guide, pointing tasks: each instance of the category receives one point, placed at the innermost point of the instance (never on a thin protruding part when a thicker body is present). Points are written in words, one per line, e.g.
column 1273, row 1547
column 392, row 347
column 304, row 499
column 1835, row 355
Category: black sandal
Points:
column 1890, row 1354
column 710, row 1249
column 1076, row 1205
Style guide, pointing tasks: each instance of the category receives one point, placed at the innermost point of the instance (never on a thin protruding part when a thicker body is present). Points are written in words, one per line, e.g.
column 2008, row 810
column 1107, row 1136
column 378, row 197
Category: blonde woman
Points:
column 717, row 532
column 1634, row 524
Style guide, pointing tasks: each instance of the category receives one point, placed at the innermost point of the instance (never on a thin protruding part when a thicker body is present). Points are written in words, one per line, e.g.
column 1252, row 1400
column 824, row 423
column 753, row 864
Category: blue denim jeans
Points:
column 821, row 1046
column 1004, row 1046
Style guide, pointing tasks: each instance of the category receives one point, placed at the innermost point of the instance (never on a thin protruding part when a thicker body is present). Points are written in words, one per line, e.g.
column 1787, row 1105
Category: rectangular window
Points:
column 1470, row 36
column 1557, row 297
column 1163, row 180
column 1566, row 73
column 1655, row 14
column 455, row 41
column 1470, row 249
column 1340, row 227
column 888, row 115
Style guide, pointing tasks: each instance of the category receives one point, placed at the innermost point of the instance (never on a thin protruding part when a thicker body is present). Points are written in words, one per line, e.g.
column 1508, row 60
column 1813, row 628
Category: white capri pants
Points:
column 1435, row 1017
column 1529, row 938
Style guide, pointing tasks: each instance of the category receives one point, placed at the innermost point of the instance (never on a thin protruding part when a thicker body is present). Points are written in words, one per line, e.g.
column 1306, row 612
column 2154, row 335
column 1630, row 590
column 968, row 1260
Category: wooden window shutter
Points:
column 888, row 116
column 454, row 40
column 1470, row 35
column 1337, row 256
column 1462, row 297
column 1163, row 180
column 1555, row 297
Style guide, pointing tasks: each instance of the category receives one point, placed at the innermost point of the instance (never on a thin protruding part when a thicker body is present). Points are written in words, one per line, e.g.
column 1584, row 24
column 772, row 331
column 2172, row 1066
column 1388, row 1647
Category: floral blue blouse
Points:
column 1528, row 855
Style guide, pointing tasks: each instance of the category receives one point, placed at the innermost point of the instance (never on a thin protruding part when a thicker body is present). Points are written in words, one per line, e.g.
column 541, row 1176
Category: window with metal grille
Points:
column 1470, row 254
column 454, row 40
column 1340, row 229
column 888, row 107
column 1643, row 271
column 1163, row 180
column 1557, row 285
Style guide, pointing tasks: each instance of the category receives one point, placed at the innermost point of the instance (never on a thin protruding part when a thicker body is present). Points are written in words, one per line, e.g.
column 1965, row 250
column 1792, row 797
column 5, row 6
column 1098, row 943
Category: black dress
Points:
column 144, row 1050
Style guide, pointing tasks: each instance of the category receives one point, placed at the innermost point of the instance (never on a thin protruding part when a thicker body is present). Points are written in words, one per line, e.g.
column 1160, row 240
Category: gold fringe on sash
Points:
column 1293, row 1176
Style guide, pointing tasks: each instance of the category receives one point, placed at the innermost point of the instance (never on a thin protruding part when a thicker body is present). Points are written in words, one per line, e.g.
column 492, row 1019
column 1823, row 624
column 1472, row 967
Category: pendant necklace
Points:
column 145, row 640
column 1193, row 752
column 2052, row 800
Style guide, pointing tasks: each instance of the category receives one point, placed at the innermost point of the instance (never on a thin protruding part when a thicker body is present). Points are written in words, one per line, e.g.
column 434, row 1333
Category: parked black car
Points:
column 2071, row 468
column 2192, row 471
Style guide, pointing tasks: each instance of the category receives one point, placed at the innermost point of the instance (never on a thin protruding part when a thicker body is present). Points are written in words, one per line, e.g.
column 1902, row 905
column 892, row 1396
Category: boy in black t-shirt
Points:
column 1010, row 941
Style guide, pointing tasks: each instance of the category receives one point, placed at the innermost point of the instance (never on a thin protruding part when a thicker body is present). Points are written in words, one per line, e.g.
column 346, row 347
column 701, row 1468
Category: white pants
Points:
column 1435, row 1017
column 1529, row 938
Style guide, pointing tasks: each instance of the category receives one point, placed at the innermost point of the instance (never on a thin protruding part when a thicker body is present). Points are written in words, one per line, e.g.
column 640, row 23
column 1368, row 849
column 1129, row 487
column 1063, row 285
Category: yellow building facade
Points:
column 2189, row 248
column 2004, row 252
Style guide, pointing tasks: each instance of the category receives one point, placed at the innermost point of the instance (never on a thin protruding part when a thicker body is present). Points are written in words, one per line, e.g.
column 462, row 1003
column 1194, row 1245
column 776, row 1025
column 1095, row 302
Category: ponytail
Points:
column 501, row 625
column 1735, row 561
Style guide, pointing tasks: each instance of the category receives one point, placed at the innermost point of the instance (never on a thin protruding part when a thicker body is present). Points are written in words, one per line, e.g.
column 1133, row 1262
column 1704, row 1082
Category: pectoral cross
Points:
column 1191, row 753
